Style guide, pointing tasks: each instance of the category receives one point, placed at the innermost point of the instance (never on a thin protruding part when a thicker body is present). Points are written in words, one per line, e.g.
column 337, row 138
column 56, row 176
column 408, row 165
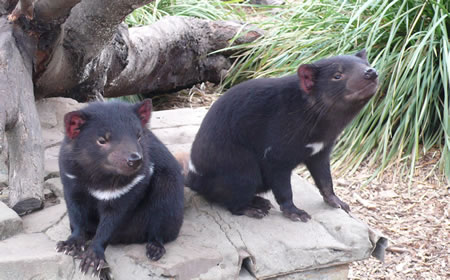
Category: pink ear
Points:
column 306, row 74
column 144, row 111
column 73, row 122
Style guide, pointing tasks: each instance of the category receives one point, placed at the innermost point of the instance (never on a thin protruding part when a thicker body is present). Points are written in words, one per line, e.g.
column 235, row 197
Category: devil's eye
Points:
column 337, row 76
column 101, row 141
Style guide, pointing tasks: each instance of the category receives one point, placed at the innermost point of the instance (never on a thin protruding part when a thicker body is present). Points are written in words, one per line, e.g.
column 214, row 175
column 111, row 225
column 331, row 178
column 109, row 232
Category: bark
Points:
column 88, row 30
column 53, row 10
column 6, row 6
column 171, row 54
column 168, row 55
column 46, row 11
column 19, row 120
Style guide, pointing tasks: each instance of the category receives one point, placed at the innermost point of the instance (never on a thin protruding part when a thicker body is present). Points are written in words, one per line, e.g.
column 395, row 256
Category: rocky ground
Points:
column 213, row 244
column 413, row 214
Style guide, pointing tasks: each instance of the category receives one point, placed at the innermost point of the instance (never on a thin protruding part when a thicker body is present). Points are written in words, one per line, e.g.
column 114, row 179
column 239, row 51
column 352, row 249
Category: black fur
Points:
column 257, row 133
column 106, row 147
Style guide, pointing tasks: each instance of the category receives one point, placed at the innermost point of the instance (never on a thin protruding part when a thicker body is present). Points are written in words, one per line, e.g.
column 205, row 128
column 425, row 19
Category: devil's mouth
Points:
column 121, row 170
column 365, row 93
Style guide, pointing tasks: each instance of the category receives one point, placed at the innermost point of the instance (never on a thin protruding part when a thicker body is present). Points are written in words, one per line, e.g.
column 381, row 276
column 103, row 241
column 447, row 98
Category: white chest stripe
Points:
column 151, row 169
column 113, row 194
column 70, row 176
column 266, row 151
column 192, row 167
column 316, row 147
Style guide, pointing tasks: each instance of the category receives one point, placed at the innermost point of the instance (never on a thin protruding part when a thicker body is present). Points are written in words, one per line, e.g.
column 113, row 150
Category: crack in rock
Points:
column 225, row 227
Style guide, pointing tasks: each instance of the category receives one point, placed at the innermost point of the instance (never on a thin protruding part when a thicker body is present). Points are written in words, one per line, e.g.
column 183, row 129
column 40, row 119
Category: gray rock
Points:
column 53, row 151
column 42, row 220
column 276, row 245
column 338, row 272
column 176, row 135
column 60, row 230
column 179, row 148
column 55, row 186
column 51, row 168
column 51, row 161
column 213, row 244
column 33, row 257
column 52, row 110
column 10, row 222
column 51, row 114
column 52, row 137
column 177, row 118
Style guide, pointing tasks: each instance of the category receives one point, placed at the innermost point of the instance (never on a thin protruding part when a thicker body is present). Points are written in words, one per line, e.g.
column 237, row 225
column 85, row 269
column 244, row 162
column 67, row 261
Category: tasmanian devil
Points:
column 260, row 130
column 121, row 184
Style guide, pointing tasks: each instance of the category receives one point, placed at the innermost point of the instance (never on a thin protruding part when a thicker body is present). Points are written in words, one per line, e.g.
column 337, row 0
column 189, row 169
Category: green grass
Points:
column 204, row 9
column 407, row 42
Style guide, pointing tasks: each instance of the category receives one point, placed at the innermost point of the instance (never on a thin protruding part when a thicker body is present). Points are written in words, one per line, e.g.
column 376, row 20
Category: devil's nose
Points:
column 134, row 160
column 370, row 74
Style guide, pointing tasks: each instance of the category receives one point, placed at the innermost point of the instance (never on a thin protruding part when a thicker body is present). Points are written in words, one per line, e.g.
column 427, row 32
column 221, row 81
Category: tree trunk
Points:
column 171, row 54
column 19, row 119
column 81, row 49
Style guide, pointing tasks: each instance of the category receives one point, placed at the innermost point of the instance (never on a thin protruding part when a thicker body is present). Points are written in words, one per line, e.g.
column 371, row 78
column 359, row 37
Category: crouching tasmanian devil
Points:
column 121, row 184
column 260, row 130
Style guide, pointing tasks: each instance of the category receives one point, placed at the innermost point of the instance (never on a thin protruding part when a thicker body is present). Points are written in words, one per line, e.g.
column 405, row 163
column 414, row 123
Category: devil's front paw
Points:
column 295, row 214
column 335, row 202
column 72, row 246
column 155, row 250
column 93, row 258
column 261, row 203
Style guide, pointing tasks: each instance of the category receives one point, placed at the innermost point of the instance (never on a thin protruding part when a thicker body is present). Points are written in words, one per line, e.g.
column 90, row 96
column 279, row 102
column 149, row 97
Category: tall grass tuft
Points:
column 408, row 43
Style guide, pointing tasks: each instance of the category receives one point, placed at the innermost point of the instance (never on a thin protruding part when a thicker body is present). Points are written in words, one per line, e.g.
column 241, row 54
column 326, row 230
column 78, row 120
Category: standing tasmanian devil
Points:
column 260, row 130
column 121, row 184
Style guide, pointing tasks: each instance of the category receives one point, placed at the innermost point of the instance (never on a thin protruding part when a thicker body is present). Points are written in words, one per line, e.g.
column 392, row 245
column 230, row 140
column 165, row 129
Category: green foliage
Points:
column 204, row 9
column 408, row 43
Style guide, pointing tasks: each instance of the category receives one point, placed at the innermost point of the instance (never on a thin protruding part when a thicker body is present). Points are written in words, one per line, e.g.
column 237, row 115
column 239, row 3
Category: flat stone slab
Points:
column 33, row 257
column 213, row 244
column 51, row 115
column 55, row 186
column 40, row 221
column 10, row 222
column 177, row 118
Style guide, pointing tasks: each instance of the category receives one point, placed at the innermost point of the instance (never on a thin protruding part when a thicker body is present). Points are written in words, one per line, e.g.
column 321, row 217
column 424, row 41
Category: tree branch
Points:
column 46, row 11
column 88, row 30
column 173, row 53
column 6, row 6
column 23, row 7
column 53, row 10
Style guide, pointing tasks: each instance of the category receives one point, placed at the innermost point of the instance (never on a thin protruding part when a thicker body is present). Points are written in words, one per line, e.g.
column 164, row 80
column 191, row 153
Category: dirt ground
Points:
column 412, row 214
